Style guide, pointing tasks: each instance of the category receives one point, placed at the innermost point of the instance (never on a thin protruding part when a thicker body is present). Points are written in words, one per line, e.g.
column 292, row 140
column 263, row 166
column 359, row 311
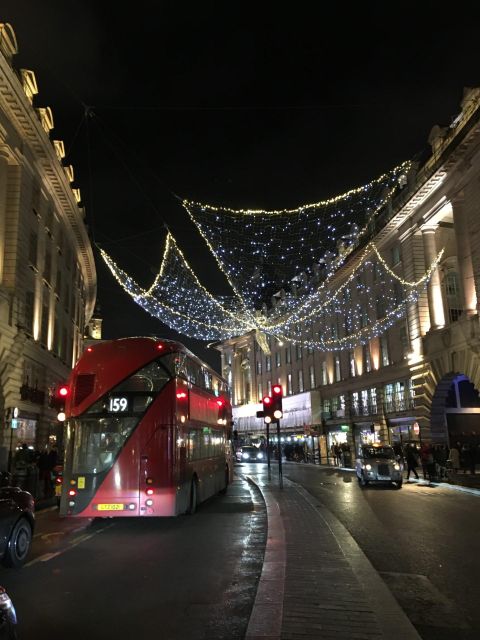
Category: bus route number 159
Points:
column 118, row 404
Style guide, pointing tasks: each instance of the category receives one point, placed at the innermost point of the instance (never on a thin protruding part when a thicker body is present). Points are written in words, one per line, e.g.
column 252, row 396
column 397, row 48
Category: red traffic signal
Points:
column 277, row 409
column 63, row 391
column 267, row 409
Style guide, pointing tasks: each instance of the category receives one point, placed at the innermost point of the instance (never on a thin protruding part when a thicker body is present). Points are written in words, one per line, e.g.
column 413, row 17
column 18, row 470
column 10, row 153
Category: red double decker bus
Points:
column 147, row 431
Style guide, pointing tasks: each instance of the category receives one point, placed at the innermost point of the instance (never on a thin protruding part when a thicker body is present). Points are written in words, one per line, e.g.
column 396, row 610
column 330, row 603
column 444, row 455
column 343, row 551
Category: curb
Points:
column 267, row 612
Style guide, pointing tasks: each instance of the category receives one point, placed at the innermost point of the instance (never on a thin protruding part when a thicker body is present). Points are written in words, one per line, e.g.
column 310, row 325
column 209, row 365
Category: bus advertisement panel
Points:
column 147, row 432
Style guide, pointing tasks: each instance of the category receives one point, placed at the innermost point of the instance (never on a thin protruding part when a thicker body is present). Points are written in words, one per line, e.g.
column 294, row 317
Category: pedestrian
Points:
column 45, row 473
column 412, row 460
column 455, row 457
column 426, row 458
column 440, row 456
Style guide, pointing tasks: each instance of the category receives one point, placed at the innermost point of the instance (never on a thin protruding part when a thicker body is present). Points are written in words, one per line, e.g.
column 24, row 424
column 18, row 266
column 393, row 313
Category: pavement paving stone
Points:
column 324, row 596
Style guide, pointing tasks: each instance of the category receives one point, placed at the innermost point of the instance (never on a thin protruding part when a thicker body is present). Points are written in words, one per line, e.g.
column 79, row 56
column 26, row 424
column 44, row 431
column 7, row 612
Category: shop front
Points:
column 339, row 445
column 365, row 433
column 404, row 431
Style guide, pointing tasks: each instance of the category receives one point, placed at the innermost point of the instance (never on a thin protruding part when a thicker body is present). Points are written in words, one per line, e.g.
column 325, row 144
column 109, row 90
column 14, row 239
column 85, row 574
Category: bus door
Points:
column 157, row 488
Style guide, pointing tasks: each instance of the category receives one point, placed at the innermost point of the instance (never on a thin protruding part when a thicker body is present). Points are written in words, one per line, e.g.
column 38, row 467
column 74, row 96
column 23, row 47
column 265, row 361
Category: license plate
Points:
column 383, row 477
column 110, row 507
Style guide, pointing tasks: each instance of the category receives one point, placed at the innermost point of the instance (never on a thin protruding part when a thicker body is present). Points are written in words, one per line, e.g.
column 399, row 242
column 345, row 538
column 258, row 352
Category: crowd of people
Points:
column 437, row 460
column 31, row 465
column 340, row 454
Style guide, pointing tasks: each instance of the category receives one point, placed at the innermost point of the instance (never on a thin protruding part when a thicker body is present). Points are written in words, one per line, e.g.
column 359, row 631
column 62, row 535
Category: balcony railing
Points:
column 393, row 405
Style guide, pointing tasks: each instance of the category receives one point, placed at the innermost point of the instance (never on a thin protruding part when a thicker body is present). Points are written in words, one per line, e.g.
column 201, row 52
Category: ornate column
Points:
column 434, row 289
column 464, row 257
column 3, row 206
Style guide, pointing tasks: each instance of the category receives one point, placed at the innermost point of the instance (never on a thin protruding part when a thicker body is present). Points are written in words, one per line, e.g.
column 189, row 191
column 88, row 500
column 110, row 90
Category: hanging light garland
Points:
column 315, row 306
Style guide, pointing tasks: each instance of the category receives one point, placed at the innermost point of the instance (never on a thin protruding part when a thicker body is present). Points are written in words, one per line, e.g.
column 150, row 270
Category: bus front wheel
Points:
column 192, row 507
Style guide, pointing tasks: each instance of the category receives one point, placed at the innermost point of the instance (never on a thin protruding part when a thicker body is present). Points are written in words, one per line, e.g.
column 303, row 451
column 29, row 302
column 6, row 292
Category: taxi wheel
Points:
column 363, row 481
column 18, row 544
column 398, row 485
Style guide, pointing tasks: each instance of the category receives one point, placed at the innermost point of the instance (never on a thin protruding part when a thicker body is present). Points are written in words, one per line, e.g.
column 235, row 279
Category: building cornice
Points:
column 24, row 119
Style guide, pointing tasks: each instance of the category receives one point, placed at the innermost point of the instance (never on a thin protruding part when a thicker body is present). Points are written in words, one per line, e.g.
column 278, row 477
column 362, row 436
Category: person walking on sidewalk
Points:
column 426, row 458
column 455, row 457
column 411, row 456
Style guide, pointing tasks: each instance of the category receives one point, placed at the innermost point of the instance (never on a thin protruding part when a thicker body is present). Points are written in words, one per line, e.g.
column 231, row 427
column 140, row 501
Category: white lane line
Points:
column 49, row 556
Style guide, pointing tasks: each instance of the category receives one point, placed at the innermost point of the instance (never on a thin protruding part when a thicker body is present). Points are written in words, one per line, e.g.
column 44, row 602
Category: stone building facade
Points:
column 420, row 379
column 47, row 269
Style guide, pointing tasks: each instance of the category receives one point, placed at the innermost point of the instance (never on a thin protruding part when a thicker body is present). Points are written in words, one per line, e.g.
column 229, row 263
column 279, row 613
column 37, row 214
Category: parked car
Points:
column 17, row 521
column 8, row 617
column 378, row 464
column 249, row 453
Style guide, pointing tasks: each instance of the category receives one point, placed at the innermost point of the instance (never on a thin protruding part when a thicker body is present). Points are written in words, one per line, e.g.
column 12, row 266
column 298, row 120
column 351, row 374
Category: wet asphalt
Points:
column 189, row 577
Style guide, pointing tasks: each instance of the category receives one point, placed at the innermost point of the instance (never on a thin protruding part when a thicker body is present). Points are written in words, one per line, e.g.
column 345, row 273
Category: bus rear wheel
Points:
column 192, row 507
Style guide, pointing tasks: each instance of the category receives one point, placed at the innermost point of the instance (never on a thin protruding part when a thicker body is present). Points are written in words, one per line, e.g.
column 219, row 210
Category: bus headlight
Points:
column 245, row 456
column 259, row 456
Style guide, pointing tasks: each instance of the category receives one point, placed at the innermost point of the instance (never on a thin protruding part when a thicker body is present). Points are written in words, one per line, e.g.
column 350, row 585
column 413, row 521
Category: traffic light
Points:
column 60, row 396
column 267, row 409
column 277, row 410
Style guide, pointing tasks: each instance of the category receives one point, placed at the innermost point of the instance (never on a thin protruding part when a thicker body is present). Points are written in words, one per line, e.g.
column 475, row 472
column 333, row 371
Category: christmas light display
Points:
column 293, row 259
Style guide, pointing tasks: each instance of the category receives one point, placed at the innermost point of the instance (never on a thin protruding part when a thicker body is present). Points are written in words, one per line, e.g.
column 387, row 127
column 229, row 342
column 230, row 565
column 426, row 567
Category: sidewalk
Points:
column 316, row 582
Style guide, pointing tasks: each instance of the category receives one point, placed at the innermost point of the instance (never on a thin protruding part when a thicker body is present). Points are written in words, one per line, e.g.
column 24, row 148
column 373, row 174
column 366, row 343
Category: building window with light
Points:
column 373, row 400
column 395, row 253
column 384, row 350
column 365, row 403
column 299, row 351
column 288, row 355
column 312, row 377
column 300, row 381
column 367, row 363
column 289, row 384
column 278, row 359
column 259, row 391
column 259, row 367
column 404, row 341
column 324, row 373
column 269, row 387
column 268, row 363
column 338, row 370
column 452, row 296
column 351, row 360
column 355, row 403
column 380, row 307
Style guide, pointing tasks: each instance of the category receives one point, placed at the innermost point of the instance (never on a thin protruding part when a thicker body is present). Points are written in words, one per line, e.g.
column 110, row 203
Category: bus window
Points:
column 97, row 442
column 153, row 377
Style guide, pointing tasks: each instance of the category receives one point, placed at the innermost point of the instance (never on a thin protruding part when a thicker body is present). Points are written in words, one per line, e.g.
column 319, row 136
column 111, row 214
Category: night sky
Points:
column 247, row 104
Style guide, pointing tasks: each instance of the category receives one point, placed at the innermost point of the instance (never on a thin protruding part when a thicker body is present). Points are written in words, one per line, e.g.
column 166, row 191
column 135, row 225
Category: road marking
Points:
column 49, row 556
column 44, row 558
